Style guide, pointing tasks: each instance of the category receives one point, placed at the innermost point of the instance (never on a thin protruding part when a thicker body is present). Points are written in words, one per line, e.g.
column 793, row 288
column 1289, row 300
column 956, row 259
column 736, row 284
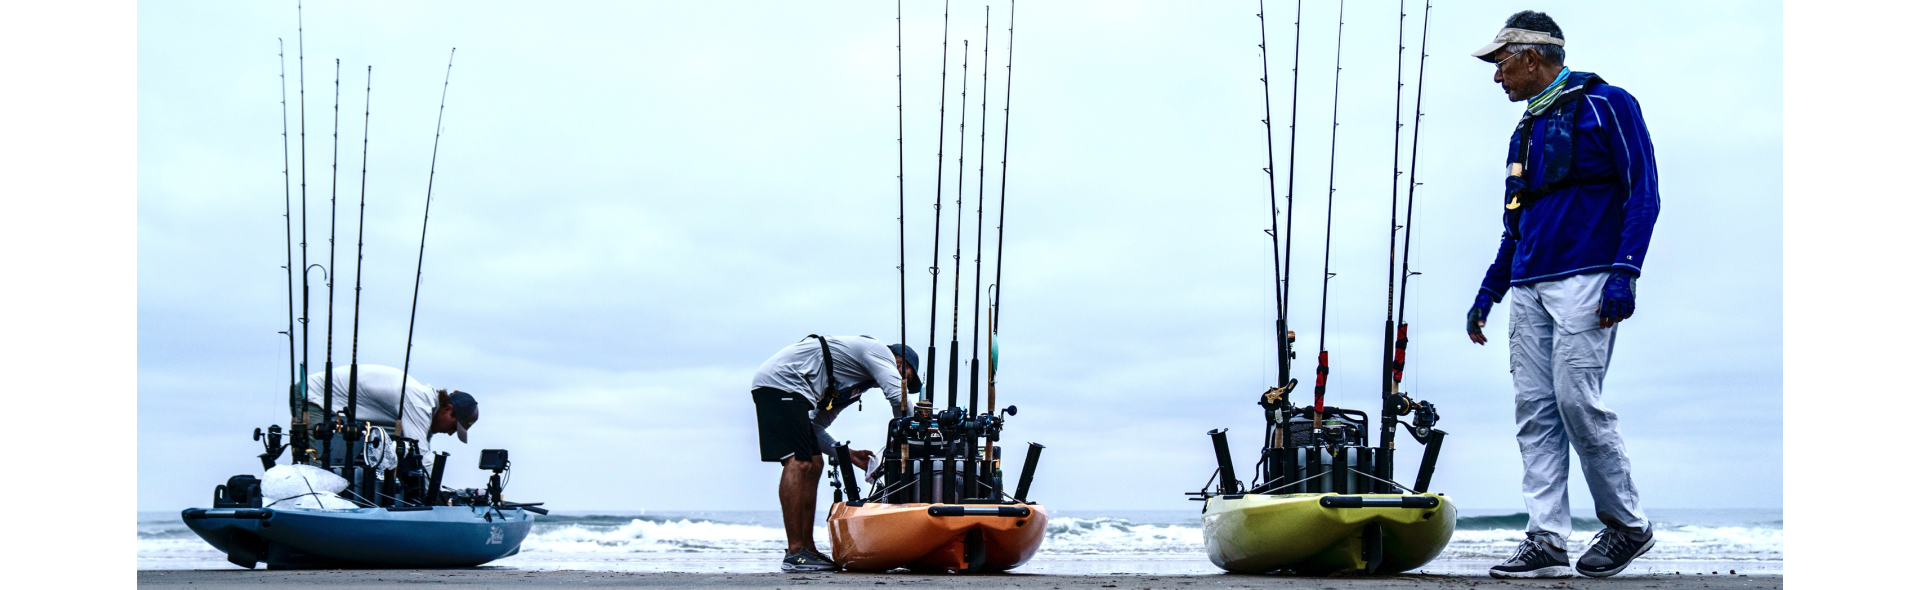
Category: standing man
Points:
column 1580, row 202
column 796, row 395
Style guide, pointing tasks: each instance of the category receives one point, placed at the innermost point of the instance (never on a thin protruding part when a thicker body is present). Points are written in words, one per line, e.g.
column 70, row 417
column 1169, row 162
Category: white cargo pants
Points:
column 1559, row 359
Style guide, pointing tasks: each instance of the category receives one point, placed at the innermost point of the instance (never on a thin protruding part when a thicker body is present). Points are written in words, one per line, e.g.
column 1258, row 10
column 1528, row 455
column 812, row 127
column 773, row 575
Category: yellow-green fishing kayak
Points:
column 1326, row 533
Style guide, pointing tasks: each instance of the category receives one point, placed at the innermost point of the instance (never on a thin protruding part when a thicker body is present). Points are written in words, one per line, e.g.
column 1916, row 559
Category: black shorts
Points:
column 785, row 429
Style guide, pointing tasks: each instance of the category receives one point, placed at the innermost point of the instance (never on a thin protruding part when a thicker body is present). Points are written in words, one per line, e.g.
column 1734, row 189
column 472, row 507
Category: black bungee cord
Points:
column 1326, row 268
column 432, row 165
column 939, row 184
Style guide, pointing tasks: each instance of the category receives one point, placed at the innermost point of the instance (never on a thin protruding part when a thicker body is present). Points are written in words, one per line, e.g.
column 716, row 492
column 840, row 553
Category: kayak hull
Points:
column 1258, row 533
column 293, row 538
column 879, row 537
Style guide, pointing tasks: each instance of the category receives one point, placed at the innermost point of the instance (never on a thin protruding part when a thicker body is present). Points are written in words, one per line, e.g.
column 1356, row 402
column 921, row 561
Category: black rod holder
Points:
column 1026, row 471
column 1228, row 483
column 433, row 481
column 851, row 485
column 1427, row 460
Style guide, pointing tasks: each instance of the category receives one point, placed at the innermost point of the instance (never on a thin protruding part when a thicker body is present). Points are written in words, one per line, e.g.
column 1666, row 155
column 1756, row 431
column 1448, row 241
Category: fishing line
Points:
column 939, row 184
column 432, row 165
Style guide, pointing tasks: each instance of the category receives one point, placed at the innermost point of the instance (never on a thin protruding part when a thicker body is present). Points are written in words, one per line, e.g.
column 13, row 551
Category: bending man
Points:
column 1580, row 202
column 417, row 412
column 796, row 395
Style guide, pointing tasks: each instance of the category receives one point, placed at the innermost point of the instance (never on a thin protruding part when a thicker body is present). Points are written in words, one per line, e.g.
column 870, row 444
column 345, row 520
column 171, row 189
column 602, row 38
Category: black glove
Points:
column 1616, row 298
column 1482, row 305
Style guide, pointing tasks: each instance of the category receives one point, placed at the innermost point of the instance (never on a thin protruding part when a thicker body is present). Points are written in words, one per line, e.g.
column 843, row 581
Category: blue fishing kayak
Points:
column 415, row 537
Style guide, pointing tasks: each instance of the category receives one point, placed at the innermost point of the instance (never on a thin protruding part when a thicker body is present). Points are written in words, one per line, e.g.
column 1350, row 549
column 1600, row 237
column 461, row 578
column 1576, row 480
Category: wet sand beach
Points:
column 496, row 578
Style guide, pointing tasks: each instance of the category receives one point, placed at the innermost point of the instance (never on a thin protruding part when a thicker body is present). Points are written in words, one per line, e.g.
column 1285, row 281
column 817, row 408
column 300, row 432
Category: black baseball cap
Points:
column 465, row 412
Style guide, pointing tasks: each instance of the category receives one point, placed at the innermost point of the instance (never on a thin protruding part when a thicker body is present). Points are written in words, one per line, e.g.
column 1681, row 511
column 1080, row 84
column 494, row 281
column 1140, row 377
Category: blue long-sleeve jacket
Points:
column 1587, row 228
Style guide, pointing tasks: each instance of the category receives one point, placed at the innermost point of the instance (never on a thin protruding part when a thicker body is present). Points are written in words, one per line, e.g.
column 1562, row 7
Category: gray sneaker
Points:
column 807, row 561
column 1535, row 558
column 1612, row 550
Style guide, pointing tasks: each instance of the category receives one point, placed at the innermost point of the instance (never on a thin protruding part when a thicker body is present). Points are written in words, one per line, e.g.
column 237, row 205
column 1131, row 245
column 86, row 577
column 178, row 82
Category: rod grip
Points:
column 1400, row 353
column 1320, row 384
column 1026, row 471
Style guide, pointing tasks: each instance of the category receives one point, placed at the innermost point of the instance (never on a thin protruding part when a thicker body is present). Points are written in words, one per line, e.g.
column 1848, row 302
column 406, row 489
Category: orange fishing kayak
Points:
column 935, row 537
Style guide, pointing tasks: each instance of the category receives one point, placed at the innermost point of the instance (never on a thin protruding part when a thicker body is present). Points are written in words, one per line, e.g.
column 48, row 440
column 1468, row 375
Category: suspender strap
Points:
column 826, row 364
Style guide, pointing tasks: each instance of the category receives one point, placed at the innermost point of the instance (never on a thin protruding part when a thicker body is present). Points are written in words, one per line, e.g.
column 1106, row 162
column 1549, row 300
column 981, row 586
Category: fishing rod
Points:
column 900, row 106
column 1390, row 400
column 1326, row 268
column 959, row 236
column 999, row 248
column 939, row 184
column 359, row 255
column 305, row 289
column 1276, row 400
column 979, row 218
column 972, row 469
column 432, row 165
column 1400, row 345
column 333, row 222
column 297, row 392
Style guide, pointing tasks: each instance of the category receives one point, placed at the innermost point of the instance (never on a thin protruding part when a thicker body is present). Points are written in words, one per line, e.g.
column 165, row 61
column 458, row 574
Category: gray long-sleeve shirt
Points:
column 859, row 363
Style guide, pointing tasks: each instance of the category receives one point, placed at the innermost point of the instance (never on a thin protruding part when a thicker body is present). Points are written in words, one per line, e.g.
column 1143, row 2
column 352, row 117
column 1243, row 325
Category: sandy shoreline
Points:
column 489, row 578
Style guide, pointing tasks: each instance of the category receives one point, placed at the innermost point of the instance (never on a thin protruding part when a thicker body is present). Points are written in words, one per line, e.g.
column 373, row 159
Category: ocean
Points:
column 1163, row 542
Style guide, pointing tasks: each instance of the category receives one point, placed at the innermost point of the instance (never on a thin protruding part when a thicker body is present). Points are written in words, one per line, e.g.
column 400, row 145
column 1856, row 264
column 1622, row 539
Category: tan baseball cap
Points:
column 1510, row 35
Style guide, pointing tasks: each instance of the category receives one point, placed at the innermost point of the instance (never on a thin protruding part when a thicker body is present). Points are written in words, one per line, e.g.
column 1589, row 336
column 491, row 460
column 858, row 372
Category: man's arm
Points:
column 877, row 359
column 1632, row 152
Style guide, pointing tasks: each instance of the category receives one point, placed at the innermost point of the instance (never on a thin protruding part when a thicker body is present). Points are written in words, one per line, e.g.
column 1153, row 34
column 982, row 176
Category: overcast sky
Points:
column 637, row 203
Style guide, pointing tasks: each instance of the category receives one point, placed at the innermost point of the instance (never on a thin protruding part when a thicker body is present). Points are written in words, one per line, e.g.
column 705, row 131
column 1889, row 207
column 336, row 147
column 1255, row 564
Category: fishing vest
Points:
column 1556, row 156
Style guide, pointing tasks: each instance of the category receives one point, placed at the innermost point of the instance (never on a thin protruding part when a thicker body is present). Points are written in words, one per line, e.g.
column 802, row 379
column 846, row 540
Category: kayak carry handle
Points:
column 252, row 513
column 1378, row 502
column 958, row 510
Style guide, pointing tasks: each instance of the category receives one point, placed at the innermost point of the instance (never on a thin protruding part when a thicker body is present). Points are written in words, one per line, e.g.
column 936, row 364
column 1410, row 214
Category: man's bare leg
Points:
column 799, row 490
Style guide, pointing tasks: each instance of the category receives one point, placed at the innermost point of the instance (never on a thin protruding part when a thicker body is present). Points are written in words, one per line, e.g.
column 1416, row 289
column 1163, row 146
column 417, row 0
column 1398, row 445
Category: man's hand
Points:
column 1477, row 317
column 862, row 459
column 1616, row 299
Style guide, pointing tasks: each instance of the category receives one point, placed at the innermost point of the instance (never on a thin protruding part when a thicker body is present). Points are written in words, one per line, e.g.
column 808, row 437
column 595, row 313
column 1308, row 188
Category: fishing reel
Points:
column 1424, row 417
column 272, row 444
